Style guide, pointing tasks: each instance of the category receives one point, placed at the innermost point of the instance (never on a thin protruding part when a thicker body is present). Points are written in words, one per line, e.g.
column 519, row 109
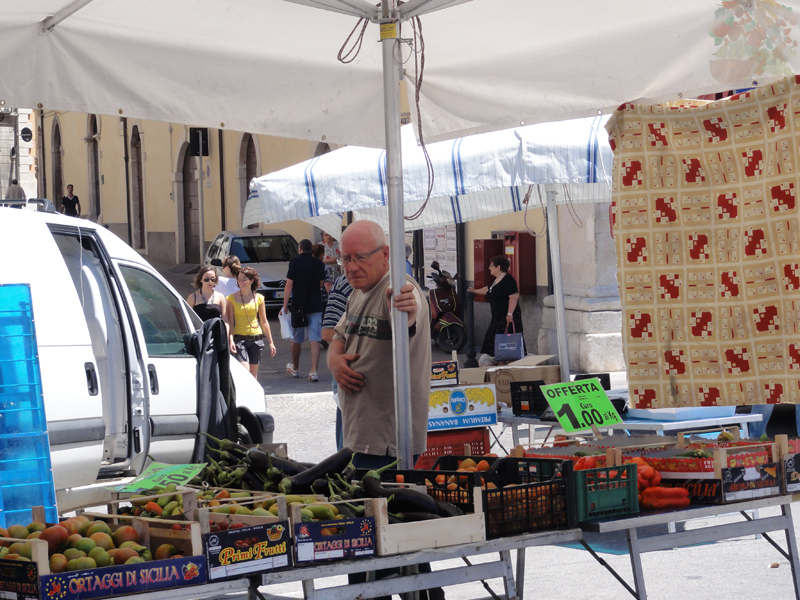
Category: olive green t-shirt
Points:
column 368, row 416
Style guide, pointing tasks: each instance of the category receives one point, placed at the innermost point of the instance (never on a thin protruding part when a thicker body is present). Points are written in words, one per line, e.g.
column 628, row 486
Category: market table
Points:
column 507, row 418
column 501, row 568
column 752, row 525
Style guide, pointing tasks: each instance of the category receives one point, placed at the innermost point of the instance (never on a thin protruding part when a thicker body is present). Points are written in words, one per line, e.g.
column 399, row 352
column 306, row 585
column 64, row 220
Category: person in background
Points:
column 304, row 283
column 206, row 302
column 227, row 283
column 337, row 303
column 333, row 268
column 503, row 296
column 15, row 191
column 70, row 204
column 248, row 321
column 409, row 268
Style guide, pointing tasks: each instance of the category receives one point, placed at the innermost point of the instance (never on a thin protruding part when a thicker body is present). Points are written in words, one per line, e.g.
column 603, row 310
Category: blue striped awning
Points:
column 475, row 177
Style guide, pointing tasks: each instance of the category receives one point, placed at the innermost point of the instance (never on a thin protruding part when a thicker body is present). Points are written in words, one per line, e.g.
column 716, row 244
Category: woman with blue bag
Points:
column 503, row 297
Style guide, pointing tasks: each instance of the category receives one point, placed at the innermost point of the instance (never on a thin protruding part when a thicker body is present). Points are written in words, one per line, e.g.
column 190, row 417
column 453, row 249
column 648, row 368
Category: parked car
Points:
column 268, row 251
column 117, row 380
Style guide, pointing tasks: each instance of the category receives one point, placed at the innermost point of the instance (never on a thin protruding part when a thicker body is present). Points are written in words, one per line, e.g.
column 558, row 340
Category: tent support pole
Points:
column 392, row 76
column 558, row 285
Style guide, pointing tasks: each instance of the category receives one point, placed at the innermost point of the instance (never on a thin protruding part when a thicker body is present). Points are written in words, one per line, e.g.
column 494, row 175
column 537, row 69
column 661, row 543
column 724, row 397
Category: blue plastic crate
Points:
column 26, row 475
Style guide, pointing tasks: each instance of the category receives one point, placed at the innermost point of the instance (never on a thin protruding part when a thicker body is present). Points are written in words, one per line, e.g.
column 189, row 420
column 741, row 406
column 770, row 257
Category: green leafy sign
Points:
column 159, row 475
column 580, row 405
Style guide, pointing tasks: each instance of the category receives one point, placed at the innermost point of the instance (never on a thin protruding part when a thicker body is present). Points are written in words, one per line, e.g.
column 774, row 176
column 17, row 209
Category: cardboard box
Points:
column 235, row 552
column 530, row 368
column 34, row 578
column 736, row 483
column 461, row 407
column 444, row 373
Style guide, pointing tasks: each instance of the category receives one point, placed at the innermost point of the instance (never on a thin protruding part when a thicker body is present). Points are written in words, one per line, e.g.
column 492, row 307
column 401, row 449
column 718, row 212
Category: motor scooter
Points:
column 447, row 326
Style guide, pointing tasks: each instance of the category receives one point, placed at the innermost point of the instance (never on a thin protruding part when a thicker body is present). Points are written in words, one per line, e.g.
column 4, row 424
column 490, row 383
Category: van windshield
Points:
column 264, row 248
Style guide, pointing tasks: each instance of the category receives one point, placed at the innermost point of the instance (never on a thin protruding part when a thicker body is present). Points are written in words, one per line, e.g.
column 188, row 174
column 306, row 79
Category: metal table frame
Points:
column 506, row 417
column 752, row 525
column 410, row 582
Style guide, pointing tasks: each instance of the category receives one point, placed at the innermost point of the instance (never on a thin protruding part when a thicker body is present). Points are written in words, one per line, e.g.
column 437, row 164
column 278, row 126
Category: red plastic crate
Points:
column 441, row 443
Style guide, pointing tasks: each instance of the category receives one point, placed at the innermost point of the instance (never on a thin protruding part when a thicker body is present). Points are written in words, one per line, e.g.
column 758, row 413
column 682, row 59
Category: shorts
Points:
column 314, row 328
column 248, row 348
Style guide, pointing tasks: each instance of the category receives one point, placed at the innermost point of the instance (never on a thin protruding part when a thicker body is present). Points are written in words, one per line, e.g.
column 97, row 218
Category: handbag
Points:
column 299, row 317
column 508, row 346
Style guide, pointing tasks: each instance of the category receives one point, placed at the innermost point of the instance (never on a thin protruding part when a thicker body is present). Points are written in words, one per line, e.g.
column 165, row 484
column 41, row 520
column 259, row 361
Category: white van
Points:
column 117, row 381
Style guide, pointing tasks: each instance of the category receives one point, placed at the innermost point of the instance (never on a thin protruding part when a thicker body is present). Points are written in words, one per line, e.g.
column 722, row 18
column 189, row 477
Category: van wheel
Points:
column 249, row 426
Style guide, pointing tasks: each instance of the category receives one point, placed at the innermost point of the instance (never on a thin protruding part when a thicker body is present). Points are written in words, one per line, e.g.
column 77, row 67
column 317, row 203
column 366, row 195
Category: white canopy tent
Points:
column 475, row 177
column 268, row 66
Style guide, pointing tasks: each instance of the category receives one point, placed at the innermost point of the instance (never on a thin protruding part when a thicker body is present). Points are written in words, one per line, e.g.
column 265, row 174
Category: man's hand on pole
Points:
column 405, row 301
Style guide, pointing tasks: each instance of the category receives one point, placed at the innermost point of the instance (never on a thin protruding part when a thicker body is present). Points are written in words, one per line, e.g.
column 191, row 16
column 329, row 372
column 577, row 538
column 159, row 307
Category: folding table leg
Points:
column 309, row 592
column 791, row 545
column 508, row 580
column 636, row 564
column 521, row 572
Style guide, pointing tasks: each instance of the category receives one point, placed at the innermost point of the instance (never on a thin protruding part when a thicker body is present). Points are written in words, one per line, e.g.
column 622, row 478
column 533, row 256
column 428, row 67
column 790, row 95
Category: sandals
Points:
column 291, row 371
column 313, row 377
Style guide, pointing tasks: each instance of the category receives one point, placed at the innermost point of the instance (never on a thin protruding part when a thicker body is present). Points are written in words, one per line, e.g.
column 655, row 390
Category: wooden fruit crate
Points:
column 396, row 538
column 33, row 579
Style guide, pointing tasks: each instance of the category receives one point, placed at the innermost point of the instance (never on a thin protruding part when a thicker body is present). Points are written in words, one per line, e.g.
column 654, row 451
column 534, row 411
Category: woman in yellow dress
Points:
column 248, row 319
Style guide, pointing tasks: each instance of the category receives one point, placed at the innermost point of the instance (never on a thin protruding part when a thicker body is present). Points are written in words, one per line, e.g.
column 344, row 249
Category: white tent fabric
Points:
column 475, row 177
column 270, row 67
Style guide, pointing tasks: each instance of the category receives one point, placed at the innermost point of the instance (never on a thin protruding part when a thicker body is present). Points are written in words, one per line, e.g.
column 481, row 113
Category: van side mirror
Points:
column 215, row 262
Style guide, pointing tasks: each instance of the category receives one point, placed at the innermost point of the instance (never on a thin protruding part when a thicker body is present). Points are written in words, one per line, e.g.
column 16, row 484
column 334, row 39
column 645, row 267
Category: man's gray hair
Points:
column 408, row 250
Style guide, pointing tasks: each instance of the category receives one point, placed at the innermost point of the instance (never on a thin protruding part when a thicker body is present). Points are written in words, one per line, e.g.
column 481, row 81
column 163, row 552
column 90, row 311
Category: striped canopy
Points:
column 474, row 177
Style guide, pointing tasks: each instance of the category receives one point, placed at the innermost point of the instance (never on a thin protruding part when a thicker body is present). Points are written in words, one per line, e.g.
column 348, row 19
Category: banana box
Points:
column 462, row 406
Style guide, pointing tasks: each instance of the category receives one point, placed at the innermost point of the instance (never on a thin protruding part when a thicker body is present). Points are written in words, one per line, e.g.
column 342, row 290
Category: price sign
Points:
column 159, row 475
column 581, row 405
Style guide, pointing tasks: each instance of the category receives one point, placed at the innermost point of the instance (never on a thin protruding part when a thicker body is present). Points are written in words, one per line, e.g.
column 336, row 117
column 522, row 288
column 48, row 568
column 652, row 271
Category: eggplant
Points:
column 447, row 510
column 410, row 516
column 344, row 509
column 302, row 481
column 400, row 499
column 405, row 500
column 320, row 486
column 264, row 462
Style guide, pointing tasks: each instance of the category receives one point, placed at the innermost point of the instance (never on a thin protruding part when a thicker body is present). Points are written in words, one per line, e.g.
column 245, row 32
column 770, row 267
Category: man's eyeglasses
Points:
column 358, row 258
column 211, row 279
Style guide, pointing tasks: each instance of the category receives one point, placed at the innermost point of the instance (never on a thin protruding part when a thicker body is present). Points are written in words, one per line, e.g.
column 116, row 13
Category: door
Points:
column 163, row 325
column 94, row 169
column 137, row 191
column 191, row 210
column 66, row 362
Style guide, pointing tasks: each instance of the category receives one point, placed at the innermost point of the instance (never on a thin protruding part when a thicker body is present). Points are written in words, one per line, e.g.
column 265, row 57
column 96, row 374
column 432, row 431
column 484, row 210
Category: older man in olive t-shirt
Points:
column 360, row 356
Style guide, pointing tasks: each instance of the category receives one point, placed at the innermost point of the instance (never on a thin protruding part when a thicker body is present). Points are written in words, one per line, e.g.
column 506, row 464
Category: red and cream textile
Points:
column 705, row 217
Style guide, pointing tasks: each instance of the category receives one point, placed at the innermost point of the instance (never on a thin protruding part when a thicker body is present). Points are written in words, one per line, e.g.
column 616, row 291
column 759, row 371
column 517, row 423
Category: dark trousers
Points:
column 376, row 461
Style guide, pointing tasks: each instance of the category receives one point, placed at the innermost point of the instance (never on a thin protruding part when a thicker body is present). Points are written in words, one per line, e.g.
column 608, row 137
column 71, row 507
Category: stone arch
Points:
column 249, row 167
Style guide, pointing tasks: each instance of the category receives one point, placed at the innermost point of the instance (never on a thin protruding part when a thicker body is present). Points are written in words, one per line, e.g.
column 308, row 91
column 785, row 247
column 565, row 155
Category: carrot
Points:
column 400, row 479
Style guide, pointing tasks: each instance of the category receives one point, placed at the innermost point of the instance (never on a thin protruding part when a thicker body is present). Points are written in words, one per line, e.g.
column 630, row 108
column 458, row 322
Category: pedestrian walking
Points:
column 337, row 303
column 248, row 321
column 70, row 204
column 304, row 282
column 15, row 191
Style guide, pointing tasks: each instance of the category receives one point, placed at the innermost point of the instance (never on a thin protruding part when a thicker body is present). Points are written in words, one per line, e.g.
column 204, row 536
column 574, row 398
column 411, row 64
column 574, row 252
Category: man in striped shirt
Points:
column 337, row 303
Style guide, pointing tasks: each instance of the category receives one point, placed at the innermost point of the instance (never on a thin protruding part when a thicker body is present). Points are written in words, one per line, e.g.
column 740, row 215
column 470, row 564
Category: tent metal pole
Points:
column 558, row 285
column 392, row 76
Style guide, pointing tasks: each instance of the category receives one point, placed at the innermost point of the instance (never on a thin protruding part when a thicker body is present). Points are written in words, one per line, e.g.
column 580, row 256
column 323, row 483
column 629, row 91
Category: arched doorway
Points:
column 248, row 170
column 94, row 168
column 137, row 189
column 191, row 210
column 58, row 174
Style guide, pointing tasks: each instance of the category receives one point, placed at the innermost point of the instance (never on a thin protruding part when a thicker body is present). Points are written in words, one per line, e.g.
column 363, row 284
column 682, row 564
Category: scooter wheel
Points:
column 451, row 338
